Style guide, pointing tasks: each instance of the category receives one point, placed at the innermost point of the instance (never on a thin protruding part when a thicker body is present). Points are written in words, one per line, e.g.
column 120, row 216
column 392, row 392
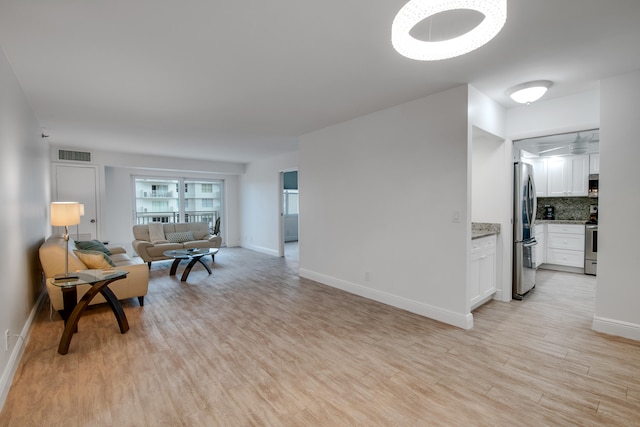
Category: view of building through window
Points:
column 290, row 202
column 160, row 200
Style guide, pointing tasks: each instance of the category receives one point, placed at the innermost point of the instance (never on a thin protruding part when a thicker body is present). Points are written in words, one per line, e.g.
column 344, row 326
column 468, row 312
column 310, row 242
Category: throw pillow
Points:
column 216, row 228
column 94, row 259
column 183, row 236
column 93, row 245
column 156, row 233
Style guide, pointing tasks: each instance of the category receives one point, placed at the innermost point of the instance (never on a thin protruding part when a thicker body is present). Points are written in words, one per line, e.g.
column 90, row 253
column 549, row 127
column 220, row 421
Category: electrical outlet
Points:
column 6, row 340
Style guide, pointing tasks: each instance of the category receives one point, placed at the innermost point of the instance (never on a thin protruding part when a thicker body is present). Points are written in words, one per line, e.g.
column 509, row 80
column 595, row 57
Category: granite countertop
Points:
column 482, row 229
column 561, row 221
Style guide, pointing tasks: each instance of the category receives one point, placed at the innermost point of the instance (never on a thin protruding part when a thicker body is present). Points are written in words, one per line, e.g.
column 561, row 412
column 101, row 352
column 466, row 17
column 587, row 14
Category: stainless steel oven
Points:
column 591, row 249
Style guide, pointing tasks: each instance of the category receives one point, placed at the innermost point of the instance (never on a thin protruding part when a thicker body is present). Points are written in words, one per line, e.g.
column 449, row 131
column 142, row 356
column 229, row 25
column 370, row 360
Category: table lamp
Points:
column 77, row 226
column 65, row 214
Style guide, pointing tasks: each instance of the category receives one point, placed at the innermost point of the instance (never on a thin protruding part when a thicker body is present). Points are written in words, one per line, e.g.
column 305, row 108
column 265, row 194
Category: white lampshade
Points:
column 65, row 213
column 529, row 92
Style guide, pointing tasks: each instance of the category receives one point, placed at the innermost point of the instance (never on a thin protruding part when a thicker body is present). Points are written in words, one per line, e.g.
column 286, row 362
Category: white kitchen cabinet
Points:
column 483, row 270
column 565, row 244
column 539, row 175
column 594, row 163
column 541, row 249
column 568, row 176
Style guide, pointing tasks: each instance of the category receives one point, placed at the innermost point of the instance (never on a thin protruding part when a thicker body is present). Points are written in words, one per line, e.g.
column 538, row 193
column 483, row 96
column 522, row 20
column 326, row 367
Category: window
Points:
column 160, row 206
column 160, row 191
column 290, row 202
column 201, row 200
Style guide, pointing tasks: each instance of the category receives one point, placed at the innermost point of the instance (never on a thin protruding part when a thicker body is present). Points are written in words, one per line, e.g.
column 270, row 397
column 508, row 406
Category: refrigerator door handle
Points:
column 531, row 204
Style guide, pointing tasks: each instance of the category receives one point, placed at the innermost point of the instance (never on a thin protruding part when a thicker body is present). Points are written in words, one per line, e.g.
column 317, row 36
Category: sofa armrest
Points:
column 216, row 240
column 117, row 249
column 141, row 246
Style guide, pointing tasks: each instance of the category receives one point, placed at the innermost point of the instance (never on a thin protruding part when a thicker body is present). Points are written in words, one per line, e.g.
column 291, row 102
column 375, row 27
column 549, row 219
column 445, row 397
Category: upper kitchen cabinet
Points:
column 539, row 175
column 568, row 176
column 562, row 162
column 594, row 163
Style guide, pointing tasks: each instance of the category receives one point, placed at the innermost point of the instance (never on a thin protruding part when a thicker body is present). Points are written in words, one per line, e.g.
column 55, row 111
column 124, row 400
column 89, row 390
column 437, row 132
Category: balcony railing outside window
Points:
column 209, row 217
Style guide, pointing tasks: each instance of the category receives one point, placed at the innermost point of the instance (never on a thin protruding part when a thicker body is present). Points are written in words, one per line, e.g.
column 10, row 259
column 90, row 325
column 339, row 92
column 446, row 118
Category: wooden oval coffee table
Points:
column 193, row 255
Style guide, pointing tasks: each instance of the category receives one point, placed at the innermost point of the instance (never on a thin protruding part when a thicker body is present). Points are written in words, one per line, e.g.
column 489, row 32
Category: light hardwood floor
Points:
column 255, row 345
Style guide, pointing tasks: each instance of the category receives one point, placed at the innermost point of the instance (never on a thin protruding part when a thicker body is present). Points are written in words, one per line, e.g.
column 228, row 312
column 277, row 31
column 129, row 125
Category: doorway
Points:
column 289, row 214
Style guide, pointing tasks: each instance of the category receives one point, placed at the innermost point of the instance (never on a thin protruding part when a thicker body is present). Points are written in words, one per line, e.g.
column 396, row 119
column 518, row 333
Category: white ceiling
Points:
column 241, row 80
column 587, row 141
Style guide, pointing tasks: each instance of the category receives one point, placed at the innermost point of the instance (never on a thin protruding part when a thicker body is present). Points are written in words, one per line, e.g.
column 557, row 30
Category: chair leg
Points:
column 149, row 264
column 213, row 258
column 141, row 301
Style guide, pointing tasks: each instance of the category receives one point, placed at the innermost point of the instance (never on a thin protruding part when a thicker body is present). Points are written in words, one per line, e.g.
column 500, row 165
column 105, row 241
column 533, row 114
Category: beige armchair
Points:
column 52, row 259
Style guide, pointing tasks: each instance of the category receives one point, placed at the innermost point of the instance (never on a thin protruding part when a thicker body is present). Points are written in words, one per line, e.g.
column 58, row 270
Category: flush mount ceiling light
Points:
column 416, row 11
column 529, row 92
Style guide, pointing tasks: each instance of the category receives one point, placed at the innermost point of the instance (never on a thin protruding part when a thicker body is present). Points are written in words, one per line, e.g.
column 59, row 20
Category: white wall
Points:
column 261, row 192
column 547, row 117
column 490, row 180
column 491, row 201
column 24, row 167
column 378, row 194
column 618, row 285
column 487, row 178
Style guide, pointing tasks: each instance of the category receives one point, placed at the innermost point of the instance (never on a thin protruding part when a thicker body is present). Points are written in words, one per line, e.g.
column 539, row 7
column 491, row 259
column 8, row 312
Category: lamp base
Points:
column 66, row 277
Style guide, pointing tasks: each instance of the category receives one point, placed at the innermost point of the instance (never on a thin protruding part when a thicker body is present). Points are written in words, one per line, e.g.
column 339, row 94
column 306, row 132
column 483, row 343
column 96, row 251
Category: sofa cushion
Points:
column 156, row 233
column 94, row 259
column 180, row 237
column 93, row 245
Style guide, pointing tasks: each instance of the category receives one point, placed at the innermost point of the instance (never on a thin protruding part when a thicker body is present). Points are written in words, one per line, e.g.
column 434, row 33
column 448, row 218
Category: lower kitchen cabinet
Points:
column 565, row 244
column 483, row 270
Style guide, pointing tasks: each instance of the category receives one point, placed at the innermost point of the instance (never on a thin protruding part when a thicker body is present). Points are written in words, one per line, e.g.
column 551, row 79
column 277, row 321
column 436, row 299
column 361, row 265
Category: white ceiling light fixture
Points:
column 416, row 11
column 529, row 92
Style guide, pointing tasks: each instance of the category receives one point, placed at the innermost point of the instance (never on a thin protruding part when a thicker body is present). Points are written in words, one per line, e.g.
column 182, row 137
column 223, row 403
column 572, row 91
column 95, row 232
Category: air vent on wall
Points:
column 78, row 156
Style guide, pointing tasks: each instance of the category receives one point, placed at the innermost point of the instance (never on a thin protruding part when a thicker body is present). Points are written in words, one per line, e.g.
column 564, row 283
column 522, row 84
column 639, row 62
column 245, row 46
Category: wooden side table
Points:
column 73, row 309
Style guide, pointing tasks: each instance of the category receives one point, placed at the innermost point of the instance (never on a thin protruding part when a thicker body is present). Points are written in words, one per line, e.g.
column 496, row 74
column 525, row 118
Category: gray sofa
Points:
column 152, row 240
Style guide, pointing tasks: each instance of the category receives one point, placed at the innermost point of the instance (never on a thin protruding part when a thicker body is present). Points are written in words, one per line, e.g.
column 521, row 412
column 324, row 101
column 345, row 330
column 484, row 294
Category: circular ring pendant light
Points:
column 414, row 12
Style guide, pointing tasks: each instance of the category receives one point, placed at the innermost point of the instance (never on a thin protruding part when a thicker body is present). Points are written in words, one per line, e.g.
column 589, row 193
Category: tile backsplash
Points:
column 566, row 208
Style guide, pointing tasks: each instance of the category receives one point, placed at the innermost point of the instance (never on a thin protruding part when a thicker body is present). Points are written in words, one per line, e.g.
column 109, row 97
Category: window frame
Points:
column 183, row 214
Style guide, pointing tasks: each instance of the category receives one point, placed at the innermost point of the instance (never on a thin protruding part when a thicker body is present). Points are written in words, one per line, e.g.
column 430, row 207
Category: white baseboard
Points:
column 464, row 321
column 616, row 327
column 261, row 249
column 18, row 350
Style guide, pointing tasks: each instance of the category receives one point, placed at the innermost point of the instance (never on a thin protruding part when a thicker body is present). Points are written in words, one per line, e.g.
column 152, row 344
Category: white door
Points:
column 79, row 184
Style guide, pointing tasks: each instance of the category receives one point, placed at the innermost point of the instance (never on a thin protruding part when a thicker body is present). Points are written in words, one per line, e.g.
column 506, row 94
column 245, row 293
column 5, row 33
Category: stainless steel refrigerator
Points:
column 524, row 239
